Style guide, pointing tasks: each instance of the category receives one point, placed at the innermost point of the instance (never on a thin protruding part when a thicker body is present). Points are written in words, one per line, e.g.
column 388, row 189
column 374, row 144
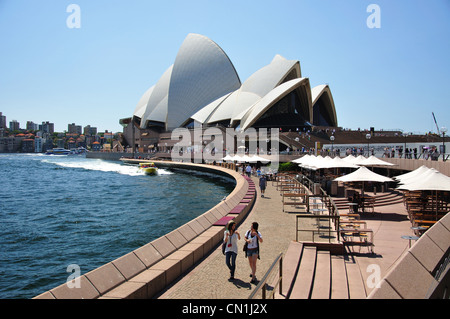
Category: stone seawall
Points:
column 144, row 272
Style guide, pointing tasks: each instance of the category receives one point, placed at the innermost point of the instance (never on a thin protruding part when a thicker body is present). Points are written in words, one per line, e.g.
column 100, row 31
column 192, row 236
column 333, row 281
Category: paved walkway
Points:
column 389, row 223
column 209, row 279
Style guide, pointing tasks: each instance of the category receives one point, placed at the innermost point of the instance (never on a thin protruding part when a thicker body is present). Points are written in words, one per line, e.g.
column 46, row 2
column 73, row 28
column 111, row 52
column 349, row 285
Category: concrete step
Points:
column 301, row 288
column 309, row 273
column 322, row 277
column 342, row 203
column 355, row 281
column 291, row 262
column 339, row 282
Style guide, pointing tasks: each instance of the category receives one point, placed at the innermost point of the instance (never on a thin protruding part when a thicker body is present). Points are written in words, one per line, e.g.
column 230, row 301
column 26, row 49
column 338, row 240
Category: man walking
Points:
column 262, row 184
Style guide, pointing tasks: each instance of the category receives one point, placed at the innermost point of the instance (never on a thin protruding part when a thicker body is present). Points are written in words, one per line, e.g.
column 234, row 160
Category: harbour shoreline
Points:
column 166, row 258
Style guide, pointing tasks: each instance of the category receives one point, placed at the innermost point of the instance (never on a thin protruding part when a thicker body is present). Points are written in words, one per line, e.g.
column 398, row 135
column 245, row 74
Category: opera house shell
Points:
column 202, row 86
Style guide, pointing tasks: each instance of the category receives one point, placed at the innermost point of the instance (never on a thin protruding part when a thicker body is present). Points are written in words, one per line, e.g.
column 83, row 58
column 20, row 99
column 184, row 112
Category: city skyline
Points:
column 23, row 126
column 385, row 61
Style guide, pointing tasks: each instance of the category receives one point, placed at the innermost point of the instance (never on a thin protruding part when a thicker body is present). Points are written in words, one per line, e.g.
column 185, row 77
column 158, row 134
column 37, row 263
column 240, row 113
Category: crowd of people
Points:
column 410, row 153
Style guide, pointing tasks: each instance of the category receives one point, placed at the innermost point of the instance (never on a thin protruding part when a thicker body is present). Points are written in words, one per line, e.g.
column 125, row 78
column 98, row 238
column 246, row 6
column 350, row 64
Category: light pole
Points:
column 405, row 135
column 332, row 143
column 443, row 130
column 368, row 137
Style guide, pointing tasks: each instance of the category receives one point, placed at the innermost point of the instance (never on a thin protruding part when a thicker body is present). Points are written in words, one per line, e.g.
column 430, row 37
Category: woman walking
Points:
column 231, row 236
column 253, row 237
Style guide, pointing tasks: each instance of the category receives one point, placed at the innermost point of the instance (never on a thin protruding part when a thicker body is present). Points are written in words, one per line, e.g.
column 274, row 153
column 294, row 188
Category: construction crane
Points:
column 439, row 133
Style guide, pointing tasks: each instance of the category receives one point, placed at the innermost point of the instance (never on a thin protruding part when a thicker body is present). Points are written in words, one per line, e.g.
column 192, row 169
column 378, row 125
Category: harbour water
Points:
column 57, row 211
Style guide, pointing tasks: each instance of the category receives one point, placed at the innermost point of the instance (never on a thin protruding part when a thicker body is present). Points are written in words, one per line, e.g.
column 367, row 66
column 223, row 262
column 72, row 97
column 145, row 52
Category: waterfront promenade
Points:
column 210, row 278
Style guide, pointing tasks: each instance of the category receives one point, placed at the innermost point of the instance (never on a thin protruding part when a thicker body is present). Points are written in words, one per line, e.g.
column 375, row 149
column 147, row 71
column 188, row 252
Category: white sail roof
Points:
column 201, row 74
column 203, row 85
column 256, row 87
column 142, row 104
column 156, row 109
column 324, row 90
column 269, row 100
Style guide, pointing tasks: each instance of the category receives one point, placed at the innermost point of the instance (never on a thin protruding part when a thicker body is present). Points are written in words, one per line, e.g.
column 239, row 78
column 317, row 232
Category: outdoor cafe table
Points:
column 316, row 201
column 318, row 210
column 352, row 216
column 352, row 224
column 351, row 221
column 418, row 228
column 351, row 232
column 357, row 232
column 410, row 238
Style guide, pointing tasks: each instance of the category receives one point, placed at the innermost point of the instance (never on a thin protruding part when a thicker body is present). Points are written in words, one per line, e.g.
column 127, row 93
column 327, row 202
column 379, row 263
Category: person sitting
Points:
column 357, row 200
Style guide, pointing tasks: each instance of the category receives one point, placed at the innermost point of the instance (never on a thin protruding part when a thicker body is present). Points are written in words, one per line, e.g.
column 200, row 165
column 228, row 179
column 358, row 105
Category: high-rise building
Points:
column 90, row 131
column 2, row 121
column 14, row 125
column 38, row 144
column 47, row 127
column 74, row 129
column 31, row 126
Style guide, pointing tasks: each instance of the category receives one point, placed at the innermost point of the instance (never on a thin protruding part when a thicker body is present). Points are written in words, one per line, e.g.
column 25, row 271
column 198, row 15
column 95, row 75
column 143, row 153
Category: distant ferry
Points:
column 58, row 151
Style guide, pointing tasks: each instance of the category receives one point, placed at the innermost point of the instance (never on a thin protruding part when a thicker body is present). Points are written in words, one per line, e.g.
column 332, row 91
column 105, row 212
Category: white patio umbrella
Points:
column 305, row 160
column 320, row 162
column 363, row 174
column 301, row 159
column 238, row 158
column 417, row 178
column 254, row 159
column 258, row 158
column 227, row 158
column 431, row 180
column 349, row 158
column 338, row 162
column 359, row 160
column 374, row 161
column 312, row 162
column 412, row 174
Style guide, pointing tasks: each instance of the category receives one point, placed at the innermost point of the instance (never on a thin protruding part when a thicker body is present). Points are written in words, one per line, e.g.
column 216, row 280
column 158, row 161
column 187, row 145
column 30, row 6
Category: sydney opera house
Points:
column 203, row 87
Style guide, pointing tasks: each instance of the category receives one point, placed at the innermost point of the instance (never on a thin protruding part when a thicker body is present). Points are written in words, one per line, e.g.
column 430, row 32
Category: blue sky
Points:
column 390, row 77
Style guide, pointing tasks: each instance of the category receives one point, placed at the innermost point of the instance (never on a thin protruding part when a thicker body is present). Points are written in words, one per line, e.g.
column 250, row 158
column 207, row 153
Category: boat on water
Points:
column 148, row 168
column 58, row 151
column 79, row 151
column 63, row 151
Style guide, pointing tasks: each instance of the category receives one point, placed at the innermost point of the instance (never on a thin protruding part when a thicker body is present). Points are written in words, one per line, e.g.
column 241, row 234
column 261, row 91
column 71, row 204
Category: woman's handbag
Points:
column 224, row 244
column 246, row 244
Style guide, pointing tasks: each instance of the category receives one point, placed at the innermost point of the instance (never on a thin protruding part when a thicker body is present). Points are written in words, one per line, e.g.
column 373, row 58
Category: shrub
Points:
column 286, row 167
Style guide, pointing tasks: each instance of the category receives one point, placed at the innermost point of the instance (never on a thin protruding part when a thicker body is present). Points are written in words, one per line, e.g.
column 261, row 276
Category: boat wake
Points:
column 103, row 166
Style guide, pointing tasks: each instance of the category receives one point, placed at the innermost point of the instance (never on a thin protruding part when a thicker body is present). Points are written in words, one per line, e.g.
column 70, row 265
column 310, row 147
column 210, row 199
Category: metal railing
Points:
column 320, row 228
column 438, row 288
column 263, row 285
column 332, row 209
